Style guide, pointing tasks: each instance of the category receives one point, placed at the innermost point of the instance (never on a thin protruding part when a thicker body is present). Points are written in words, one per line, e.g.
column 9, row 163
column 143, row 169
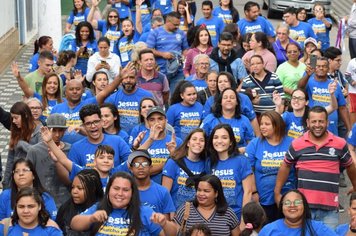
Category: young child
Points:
column 199, row 230
column 254, row 217
column 349, row 229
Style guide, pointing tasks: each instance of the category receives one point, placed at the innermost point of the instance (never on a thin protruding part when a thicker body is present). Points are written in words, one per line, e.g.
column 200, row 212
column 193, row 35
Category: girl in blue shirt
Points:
column 84, row 45
column 86, row 190
column 110, row 28
column 30, row 216
column 184, row 113
column 233, row 169
column 227, row 12
column 24, row 175
column 119, row 211
column 79, row 13
column 127, row 40
column 192, row 153
column 44, row 43
column 266, row 154
column 186, row 19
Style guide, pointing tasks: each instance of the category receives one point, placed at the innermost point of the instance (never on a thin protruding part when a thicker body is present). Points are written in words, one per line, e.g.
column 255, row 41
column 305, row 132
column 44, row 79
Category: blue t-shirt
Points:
column 242, row 127
column 266, row 159
column 294, row 124
column 6, row 210
column 259, row 25
column 184, row 119
column 118, row 222
column 319, row 95
column 123, row 9
column 47, row 111
column 83, row 152
column 166, row 6
column 180, row 192
column 145, row 14
column 304, row 31
column 321, row 32
column 224, row 15
column 79, row 17
column 182, row 26
column 342, row 230
column 199, row 84
column 16, row 230
column 279, row 228
column 82, row 60
column 77, row 168
column 123, row 48
column 34, row 62
column 158, row 38
column 351, row 139
column 113, row 33
column 215, row 27
column 157, row 198
column 72, row 117
column 245, row 103
column 159, row 153
column 232, row 172
column 128, row 106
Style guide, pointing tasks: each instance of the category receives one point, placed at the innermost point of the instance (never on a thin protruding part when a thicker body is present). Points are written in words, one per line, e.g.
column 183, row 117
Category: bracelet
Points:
column 254, row 192
column 352, row 230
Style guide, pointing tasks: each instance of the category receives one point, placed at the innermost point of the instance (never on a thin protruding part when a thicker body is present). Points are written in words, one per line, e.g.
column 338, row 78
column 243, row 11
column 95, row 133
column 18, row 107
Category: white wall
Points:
column 8, row 16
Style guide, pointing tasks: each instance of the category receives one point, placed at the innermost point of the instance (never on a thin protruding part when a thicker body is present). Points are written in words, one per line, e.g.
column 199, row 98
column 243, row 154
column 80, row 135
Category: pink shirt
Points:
column 268, row 58
column 192, row 52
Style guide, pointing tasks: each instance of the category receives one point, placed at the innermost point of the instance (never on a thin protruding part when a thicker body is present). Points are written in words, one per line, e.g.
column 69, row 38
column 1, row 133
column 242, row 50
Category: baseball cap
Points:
column 156, row 109
column 56, row 121
column 139, row 153
column 311, row 40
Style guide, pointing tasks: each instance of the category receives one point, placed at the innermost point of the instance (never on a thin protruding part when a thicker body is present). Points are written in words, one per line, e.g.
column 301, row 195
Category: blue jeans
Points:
column 330, row 218
column 173, row 81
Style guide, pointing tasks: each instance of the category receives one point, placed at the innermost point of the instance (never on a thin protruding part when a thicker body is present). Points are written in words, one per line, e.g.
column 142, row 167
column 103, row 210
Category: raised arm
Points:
column 333, row 102
column 21, row 81
column 93, row 8
column 138, row 16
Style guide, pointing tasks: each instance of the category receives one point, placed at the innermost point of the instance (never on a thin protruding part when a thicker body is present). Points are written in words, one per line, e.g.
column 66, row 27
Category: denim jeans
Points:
column 174, row 80
column 330, row 218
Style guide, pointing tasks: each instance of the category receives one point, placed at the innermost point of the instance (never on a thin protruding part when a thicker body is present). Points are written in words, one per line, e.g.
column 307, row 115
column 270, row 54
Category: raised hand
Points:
column 46, row 134
column 99, row 216
column 332, row 87
column 277, row 98
column 136, row 143
column 171, row 145
column 15, row 70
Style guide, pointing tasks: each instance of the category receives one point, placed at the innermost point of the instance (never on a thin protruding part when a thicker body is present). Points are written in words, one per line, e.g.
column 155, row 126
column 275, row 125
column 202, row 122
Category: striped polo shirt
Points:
column 318, row 168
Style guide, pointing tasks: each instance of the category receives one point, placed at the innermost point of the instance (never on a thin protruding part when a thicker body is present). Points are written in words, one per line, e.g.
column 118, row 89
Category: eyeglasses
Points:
column 292, row 52
column 298, row 98
column 138, row 164
column 296, row 202
column 95, row 123
column 113, row 17
column 204, row 64
column 35, row 108
column 19, row 171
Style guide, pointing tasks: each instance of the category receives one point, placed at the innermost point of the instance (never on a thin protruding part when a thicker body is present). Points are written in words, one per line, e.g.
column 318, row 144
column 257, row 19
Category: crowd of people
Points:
column 150, row 121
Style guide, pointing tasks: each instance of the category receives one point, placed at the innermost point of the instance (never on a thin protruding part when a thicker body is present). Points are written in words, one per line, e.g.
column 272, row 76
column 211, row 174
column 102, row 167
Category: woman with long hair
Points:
column 30, row 216
column 23, row 134
column 86, row 190
column 260, row 45
column 44, row 43
column 79, row 14
column 227, row 12
column 184, row 113
column 84, row 45
column 109, row 28
column 227, row 110
column 126, row 42
column 121, row 201
column 233, row 169
column 295, row 218
column 192, row 155
column 66, row 62
column 111, row 121
column 186, row 18
column 201, row 45
column 254, row 218
column 23, row 175
column 265, row 154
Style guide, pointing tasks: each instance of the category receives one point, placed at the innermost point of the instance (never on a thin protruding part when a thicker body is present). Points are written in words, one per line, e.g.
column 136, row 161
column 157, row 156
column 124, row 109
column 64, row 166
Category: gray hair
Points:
column 198, row 57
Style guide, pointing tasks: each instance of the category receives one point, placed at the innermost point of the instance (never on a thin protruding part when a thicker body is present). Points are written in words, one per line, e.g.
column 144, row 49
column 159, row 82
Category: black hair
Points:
column 352, row 197
column 234, row 13
column 226, row 36
column 99, row 72
column 131, row 36
column 43, row 215
column 262, row 37
column 104, row 39
column 203, row 228
column 252, row 213
column 144, row 51
column 75, row 10
column 46, row 55
column 82, row 24
column 196, row 41
column 101, row 149
column 115, row 113
column 173, row 14
column 108, row 25
column 232, row 151
column 182, row 150
column 250, row 4
column 214, row 181
column 218, row 109
column 65, row 56
column 306, row 227
column 290, row 10
column 88, row 110
column 132, row 209
column 180, row 88
column 191, row 34
column 207, row 3
column 36, row 180
column 39, row 43
column 141, row 118
column 318, row 109
column 332, row 53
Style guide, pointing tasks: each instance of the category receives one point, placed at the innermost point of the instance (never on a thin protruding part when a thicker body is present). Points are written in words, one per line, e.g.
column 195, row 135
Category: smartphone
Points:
column 103, row 62
column 313, row 59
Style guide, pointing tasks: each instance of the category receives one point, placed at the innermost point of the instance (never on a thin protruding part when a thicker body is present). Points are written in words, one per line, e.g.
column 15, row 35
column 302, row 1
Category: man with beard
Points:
column 151, row 194
column 317, row 157
column 127, row 100
column 225, row 58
